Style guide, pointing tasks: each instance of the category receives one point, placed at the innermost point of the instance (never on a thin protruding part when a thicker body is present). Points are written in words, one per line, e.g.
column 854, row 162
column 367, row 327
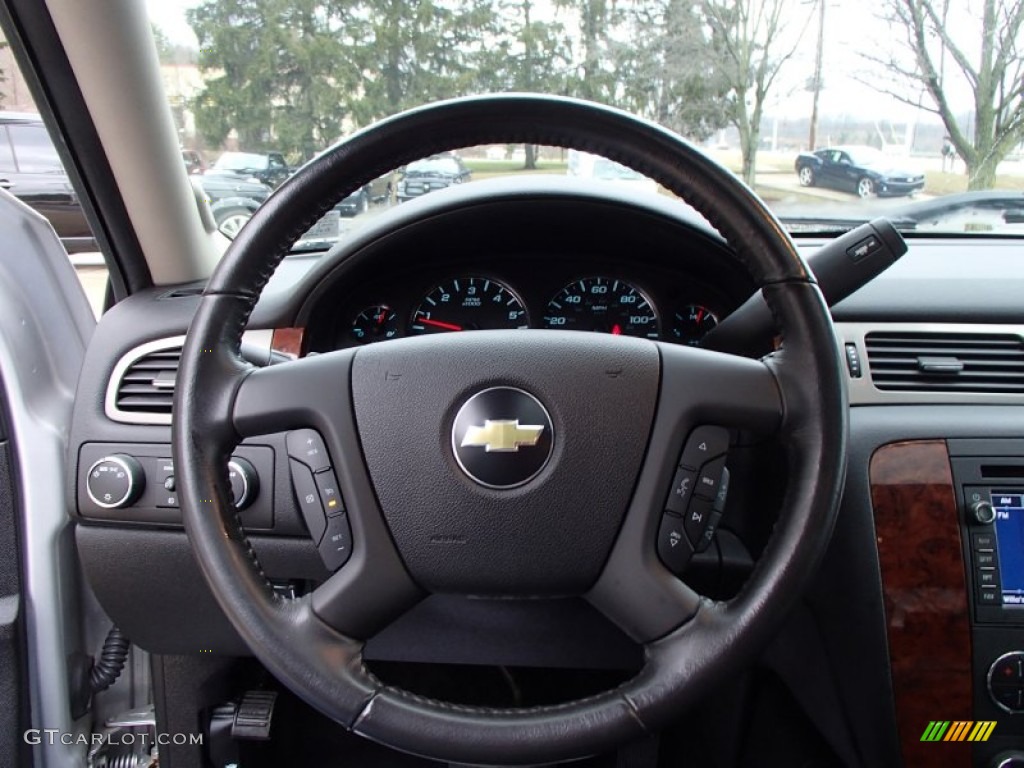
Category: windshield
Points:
column 434, row 165
column 833, row 111
column 240, row 161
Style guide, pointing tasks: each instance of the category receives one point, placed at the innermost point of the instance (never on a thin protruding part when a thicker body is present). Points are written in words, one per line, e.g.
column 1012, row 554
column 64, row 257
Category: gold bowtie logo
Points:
column 502, row 435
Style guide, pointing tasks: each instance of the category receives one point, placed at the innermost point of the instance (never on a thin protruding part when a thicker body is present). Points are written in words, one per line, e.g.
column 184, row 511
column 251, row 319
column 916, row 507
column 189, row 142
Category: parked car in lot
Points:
column 233, row 201
column 31, row 170
column 430, row 174
column 380, row 190
column 865, row 171
column 269, row 168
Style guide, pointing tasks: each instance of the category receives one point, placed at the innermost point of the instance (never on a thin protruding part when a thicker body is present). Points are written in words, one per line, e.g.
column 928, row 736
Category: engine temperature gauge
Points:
column 691, row 323
column 376, row 323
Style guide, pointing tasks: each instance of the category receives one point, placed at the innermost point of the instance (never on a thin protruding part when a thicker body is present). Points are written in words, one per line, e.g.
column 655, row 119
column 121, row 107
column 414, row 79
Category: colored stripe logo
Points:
column 958, row 730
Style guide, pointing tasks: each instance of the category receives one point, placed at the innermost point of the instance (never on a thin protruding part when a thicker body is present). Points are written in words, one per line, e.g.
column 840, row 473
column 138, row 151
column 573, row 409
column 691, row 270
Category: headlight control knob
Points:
column 983, row 512
column 115, row 481
column 245, row 482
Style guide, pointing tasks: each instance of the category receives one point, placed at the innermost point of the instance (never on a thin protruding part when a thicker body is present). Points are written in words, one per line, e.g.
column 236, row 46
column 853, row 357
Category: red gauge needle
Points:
column 381, row 317
column 440, row 324
column 616, row 330
column 700, row 315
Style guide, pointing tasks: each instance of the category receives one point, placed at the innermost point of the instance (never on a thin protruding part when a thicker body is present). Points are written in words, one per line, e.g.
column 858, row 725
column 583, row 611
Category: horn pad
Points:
column 504, row 461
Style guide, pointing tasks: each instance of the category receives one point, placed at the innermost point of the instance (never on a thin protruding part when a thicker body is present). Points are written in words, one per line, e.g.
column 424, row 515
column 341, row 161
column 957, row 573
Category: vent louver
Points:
column 946, row 362
column 147, row 385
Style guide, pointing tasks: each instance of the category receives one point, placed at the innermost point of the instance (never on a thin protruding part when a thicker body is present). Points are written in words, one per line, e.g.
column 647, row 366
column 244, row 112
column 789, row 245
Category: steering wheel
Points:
column 514, row 463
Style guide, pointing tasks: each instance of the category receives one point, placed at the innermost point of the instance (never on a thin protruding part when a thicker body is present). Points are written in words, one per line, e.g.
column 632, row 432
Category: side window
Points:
column 34, row 150
column 6, row 155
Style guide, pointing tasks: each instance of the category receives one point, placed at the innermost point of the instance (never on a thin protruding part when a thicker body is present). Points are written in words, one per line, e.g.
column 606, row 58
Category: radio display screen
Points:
column 1009, row 525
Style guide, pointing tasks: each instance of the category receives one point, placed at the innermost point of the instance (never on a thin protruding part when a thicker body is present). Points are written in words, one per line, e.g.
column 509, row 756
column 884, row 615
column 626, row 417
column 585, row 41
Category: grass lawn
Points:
column 484, row 169
column 939, row 183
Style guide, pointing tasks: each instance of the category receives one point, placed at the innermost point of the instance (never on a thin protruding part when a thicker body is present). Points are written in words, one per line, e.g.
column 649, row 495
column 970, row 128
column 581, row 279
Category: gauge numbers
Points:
column 605, row 305
column 469, row 304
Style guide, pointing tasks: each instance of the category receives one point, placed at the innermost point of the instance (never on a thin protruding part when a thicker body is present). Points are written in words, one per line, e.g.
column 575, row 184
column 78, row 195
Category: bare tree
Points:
column 987, row 57
column 754, row 41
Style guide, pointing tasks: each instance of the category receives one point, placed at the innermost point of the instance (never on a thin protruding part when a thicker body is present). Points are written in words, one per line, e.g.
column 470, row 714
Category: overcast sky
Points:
column 850, row 28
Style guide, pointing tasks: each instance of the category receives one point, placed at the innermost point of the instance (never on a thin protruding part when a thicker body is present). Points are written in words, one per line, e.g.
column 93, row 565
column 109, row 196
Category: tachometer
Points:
column 602, row 304
column 469, row 304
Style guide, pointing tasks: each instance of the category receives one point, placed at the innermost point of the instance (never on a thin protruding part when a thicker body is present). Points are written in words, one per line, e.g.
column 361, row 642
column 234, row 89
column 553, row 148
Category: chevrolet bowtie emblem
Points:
column 502, row 435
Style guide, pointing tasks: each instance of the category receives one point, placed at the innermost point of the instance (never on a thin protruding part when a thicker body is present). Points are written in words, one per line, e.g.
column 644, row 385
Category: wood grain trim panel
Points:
column 288, row 341
column 925, row 590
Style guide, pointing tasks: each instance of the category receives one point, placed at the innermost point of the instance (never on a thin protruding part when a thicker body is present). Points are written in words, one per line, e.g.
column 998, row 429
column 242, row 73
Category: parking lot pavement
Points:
column 94, row 281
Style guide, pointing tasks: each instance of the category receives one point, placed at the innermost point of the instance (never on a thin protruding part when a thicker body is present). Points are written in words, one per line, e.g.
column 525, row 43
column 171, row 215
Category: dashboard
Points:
column 907, row 528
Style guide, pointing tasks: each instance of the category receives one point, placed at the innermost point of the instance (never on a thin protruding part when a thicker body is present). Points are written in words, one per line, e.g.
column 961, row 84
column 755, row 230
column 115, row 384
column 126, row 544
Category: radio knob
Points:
column 983, row 512
column 115, row 481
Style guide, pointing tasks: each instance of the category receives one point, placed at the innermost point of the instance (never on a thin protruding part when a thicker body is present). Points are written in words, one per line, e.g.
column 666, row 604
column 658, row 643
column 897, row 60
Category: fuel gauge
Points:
column 375, row 323
column 691, row 323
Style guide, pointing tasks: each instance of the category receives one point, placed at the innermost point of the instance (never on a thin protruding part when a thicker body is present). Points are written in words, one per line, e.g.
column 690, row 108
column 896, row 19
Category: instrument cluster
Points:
column 598, row 303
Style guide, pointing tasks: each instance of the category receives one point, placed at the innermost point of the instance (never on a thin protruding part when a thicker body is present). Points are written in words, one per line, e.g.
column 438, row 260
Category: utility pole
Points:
column 812, row 139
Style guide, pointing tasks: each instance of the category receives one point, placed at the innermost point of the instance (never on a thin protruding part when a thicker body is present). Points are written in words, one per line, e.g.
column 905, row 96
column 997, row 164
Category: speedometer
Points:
column 602, row 304
column 469, row 304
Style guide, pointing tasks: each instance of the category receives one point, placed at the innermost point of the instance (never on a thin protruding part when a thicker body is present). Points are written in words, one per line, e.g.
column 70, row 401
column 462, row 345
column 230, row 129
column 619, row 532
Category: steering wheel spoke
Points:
column 309, row 392
column 683, row 485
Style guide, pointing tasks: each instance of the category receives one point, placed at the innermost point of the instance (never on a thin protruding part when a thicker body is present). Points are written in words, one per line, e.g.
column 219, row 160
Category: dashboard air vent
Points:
column 946, row 362
column 147, row 385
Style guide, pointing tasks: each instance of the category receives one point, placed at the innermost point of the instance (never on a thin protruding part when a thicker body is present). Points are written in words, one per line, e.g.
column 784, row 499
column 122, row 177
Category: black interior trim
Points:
column 45, row 67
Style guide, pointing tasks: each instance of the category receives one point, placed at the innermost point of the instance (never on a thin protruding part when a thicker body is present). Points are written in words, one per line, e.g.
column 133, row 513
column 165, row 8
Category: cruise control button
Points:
column 705, row 443
column 307, row 446
column 698, row 515
column 309, row 500
column 330, row 494
column 673, row 548
column 336, row 546
column 710, row 478
column 682, row 489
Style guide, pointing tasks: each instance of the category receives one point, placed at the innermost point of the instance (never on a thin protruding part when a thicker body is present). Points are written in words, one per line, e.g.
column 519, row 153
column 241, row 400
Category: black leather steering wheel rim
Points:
column 323, row 665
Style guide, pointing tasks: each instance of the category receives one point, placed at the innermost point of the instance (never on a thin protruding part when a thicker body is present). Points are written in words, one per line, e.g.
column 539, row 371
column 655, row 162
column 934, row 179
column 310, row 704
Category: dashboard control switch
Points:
column 1006, row 681
column 307, row 446
column 336, row 545
column 697, row 518
column 705, row 443
column 115, row 481
column 682, row 489
column 309, row 500
column 717, row 507
column 673, row 548
column 853, row 361
column 245, row 482
column 330, row 494
column 710, row 478
column 982, row 513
